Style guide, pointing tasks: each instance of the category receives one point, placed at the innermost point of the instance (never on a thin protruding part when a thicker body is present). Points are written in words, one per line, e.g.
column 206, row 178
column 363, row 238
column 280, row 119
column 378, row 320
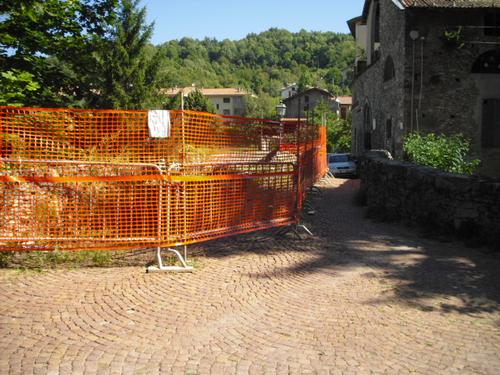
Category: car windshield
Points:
column 338, row 158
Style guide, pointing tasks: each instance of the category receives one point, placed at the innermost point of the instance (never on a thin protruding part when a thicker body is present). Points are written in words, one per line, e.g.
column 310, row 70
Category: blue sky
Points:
column 234, row 19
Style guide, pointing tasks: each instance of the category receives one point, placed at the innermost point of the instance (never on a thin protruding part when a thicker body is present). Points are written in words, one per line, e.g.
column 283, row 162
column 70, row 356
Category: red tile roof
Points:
column 345, row 100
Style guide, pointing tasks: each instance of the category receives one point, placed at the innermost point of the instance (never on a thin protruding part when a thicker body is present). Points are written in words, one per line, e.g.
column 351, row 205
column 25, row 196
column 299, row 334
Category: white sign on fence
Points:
column 159, row 123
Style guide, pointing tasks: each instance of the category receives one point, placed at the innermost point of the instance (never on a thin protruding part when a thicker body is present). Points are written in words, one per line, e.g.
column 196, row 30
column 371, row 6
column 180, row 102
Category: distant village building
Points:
column 226, row 101
column 345, row 103
column 289, row 91
column 303, row 104
column 428, row 66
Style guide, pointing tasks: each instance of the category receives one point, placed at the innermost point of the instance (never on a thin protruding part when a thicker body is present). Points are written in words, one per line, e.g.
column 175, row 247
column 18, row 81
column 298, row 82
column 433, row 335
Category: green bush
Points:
column 338, row 130
column 447, row 153
column 339, row 135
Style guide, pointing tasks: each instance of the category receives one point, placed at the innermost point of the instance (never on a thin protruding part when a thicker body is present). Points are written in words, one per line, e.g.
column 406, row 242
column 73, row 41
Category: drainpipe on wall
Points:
column 419, row 110
column 413, row 36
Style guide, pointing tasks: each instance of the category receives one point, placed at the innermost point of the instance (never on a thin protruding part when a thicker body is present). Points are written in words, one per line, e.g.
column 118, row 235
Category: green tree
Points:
column 196, row 101
column 263, row 62
column 15, row 85
column 261, row 106
column 338, row 130
column 339, row 137
column 82, row 53
column 333, row 75
column 127, row 70
column 305, row 80
column 173, row 102
column 53, row 41
column 448, row 153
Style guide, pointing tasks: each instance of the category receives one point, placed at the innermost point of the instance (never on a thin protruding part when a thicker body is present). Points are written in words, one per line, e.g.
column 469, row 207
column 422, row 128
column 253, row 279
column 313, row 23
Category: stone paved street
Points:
column 360, row 297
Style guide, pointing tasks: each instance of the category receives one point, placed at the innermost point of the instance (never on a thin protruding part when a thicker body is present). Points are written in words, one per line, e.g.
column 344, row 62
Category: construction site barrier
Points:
column 105, row 179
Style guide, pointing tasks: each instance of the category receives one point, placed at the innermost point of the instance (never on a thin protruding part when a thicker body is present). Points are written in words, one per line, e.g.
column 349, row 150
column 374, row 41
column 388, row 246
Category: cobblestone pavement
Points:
column 358, row 298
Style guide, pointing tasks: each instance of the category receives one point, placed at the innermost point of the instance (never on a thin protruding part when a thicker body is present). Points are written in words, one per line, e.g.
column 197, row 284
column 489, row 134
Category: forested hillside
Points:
column 263, row 62
column 97, row 54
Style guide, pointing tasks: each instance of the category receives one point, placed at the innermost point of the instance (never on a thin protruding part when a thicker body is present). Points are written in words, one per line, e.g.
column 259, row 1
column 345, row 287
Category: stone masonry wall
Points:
column 385, row 99
column 447, row 98
column 468, row 207
column 451, row 97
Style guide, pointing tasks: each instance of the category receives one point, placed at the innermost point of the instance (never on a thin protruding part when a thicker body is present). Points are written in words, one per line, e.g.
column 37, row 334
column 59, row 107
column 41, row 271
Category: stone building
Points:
column 428, row 66
column 303, row 103
column 289, row 90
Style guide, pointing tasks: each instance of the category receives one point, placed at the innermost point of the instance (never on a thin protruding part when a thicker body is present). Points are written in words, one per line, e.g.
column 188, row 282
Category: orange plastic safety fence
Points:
column 96, row 179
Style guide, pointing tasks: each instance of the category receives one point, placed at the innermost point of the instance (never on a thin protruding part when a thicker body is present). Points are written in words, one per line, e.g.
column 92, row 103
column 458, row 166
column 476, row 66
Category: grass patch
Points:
column 43, row 260
column 5, row 258
column 39, row 260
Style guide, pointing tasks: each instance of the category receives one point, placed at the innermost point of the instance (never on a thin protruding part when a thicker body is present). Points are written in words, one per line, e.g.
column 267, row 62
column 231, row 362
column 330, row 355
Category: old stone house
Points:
column 302, row 104
column 428, row 66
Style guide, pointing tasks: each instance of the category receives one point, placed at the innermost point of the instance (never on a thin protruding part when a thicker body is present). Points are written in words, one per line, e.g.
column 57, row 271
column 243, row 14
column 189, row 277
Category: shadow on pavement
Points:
column 456, row 278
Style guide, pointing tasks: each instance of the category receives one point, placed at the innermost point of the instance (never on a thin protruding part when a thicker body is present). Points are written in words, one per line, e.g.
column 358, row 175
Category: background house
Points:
column 226, row 101
column 289, row 91
column 428, row 67
column 345, row 103
column 299, row 104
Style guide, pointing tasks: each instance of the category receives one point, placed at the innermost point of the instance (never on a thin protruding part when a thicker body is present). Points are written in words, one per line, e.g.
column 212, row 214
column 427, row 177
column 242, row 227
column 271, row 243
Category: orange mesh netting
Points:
column 95, row 179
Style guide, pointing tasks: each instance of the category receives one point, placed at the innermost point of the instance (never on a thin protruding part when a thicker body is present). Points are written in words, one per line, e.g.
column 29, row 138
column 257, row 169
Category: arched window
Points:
column 488, row 62
column 389, row 72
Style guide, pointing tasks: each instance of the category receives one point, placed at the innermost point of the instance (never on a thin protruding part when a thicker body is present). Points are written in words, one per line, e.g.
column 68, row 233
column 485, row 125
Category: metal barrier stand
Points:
column 295, row 229
column 160, row 267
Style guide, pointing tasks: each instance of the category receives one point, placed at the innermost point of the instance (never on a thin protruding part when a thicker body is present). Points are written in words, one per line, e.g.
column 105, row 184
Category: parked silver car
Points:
column 341, row 165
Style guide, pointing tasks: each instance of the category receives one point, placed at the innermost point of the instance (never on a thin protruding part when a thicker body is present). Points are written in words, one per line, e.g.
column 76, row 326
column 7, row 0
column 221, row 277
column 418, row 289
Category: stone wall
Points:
column 451, row 95
column 468, row 207
column 385, row 99
column 434, row 89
